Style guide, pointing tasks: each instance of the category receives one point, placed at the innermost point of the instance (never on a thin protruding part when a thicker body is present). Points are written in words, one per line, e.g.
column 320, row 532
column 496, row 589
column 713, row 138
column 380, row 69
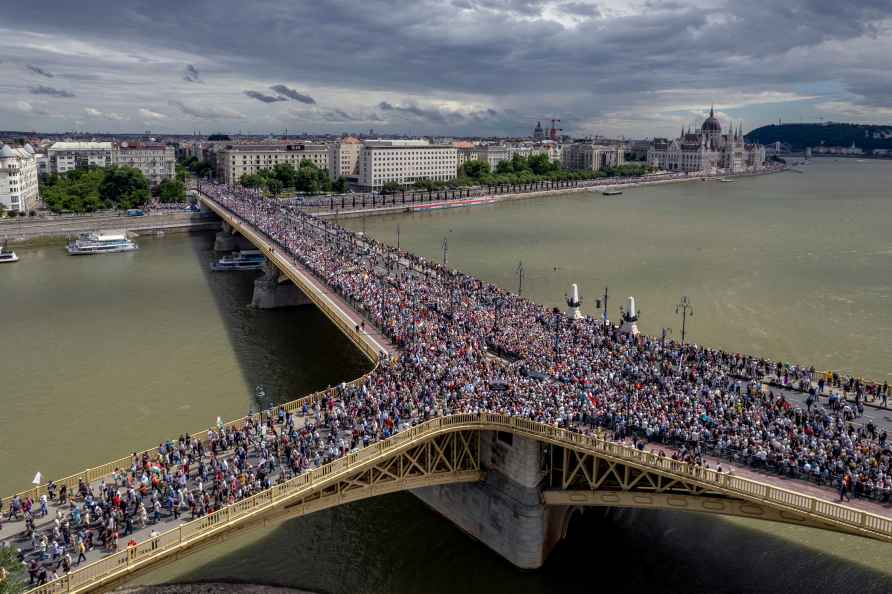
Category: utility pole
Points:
column 602, row 303
column 445, row 252
column 397, row 237
column 519, row 271
column 685, row 309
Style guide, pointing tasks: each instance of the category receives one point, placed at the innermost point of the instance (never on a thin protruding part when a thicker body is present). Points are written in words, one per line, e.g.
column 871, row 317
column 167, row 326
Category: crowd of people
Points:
column 465, row 346
column 578, row 374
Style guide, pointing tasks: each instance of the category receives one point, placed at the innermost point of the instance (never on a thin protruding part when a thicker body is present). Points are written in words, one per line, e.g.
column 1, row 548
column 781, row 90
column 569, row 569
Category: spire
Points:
column 712, row 111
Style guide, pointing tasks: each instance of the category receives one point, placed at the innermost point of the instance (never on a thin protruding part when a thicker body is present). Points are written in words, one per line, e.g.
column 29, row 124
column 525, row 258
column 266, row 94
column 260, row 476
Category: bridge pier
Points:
column 506, row 511
column 228, row 240
column 273, row 290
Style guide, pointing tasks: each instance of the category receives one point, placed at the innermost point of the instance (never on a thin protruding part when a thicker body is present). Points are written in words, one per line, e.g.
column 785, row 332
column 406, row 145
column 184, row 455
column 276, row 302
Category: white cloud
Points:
column 151, row 115
column 93, row 112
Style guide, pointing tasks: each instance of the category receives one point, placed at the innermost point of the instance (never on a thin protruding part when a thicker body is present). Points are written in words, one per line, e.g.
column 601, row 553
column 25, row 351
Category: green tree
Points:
column 284, row 173
column 252, row 180
column 2, row 210
column 391, row 187
column 171, row 191
column 274, row 186
column 475, row 169
column 123, row 187
column 339, row 185
column 11, row 572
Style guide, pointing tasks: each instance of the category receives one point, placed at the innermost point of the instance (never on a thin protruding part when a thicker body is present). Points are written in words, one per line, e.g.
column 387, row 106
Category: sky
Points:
column 630, row 68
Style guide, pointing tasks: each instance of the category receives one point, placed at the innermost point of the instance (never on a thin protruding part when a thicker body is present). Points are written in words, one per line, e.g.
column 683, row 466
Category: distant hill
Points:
column 800, row 136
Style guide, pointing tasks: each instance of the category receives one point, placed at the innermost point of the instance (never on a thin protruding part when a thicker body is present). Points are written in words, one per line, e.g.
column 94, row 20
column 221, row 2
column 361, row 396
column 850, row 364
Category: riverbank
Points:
column 348, row 213
column 31, row 232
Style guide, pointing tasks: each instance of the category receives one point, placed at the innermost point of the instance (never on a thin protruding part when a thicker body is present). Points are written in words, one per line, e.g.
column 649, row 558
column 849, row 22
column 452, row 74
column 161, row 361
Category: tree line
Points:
column 95, row 188
column 307, row 178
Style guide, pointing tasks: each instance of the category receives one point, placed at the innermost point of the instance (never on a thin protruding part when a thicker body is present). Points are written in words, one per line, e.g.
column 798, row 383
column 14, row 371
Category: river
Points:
column 104, row 355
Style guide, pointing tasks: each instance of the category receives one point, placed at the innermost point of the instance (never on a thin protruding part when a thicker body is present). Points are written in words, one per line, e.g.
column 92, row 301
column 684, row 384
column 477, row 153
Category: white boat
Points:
column 225, row 265
column 7, row 256
column 100, row 242
column 727, row 180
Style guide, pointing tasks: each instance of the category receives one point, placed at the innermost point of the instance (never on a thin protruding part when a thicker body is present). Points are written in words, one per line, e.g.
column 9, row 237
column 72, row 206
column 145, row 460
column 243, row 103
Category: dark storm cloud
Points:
column 205, row 112
column 293, row 94
column 44, row 90
column 190, row 74
column 264, row 98
column 507, row 53
column 39, row 70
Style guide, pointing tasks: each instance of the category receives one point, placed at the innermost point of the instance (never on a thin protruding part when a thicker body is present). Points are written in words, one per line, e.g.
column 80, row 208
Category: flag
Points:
column 38, row 479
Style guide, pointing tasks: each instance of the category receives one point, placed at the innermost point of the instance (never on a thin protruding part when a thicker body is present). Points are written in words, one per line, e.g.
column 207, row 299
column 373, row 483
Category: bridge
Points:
column 510, row 481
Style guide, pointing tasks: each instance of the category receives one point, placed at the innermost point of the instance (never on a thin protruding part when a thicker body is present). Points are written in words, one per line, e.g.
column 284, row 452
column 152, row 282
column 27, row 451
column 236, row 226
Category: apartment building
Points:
column 236, row 160
column 66, row 156
column 343, row 158
column 18, row 178
column 156, row 161
column 405, row 162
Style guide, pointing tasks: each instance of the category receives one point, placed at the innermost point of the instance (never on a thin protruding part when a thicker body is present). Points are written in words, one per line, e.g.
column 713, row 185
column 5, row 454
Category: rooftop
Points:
column 81, row 146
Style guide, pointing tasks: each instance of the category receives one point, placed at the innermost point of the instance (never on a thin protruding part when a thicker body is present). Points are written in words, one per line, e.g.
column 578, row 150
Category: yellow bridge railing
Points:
column 119, row 564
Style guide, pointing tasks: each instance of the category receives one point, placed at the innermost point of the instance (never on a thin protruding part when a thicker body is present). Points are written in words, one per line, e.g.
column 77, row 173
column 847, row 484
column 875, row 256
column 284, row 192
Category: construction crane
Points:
column 553, row 131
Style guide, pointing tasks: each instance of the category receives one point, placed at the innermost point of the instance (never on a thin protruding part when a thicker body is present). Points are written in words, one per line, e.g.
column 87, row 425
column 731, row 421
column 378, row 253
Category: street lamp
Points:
column 519, row 271
column 685, row 309
column 663, row 334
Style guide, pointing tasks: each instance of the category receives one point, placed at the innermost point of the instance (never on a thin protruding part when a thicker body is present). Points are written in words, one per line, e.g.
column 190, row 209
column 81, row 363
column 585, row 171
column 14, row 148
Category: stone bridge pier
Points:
column 228, row 240
column 506, row 511
column 274, row 290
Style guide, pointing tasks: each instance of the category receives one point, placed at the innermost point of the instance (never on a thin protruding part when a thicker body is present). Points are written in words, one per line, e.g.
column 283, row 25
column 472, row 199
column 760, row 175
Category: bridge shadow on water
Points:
column 395, row 544
column 290, row 352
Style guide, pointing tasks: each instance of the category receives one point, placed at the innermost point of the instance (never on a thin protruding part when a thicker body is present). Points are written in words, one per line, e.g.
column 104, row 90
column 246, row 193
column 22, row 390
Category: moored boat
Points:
column 611, row 192
column 100, row 242
column 7, row 256
column 229, row 264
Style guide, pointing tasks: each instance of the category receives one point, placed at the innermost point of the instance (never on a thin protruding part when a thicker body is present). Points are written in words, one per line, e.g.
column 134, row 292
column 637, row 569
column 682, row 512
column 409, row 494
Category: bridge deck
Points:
column 796, row 495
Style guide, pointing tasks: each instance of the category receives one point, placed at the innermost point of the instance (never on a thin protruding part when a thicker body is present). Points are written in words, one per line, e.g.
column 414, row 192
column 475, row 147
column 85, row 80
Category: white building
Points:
column 156, row 161
column 65, row 156
column 236, row 160
column 343, row 158
column 588, row 156
column 18, row 178
column 707, row 150
column 405, row 162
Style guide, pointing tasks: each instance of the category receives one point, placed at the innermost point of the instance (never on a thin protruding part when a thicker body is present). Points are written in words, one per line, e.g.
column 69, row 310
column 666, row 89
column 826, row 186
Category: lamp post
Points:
column 663, row 334
column 685, row 309
column 445, row 252
column 519, row 271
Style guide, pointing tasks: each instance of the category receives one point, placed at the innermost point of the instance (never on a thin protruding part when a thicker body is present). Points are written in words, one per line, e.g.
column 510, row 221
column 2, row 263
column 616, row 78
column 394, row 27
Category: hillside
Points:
column 799, row 136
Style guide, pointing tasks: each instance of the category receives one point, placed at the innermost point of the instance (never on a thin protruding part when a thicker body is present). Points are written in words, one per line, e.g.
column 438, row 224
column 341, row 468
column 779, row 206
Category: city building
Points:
column 156, row 161
column 65, row 156
column 538, row 132
column 235, row 160
column 707, row 150
column 343, row 158
column 18, row 178
column 588, row 156
column 405, row 162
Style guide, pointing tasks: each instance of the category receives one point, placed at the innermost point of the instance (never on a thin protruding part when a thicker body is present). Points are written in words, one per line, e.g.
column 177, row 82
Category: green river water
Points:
column 100, row 356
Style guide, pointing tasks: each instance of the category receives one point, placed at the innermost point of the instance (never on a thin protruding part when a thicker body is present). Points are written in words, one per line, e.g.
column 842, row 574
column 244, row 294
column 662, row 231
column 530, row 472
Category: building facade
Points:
column 156, row 161
column 235, row 160
column 405, row 162
column 707, row 150
column 18, row 178
column 66, row 156
column 588, row 156
column 343, row 158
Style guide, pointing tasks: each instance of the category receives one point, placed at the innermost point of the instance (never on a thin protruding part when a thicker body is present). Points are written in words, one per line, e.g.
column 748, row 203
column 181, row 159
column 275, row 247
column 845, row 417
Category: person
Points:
column 844, row 487
column 81, row 551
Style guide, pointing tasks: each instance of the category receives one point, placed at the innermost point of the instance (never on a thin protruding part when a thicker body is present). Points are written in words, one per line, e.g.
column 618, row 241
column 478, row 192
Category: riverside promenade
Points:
column 593, row 381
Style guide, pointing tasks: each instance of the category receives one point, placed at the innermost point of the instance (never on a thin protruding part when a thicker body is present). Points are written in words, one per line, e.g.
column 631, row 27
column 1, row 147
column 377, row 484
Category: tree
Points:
column 274, row 186
column 475, row 169
column 2, row 210
column 252, row 180
column 11, row 572
column 123, row 187
column 284, row 173
column 391, row 187
column 171, row 191
column 202, row 169
column 339, row 185
column 311, row 179
column 218, row 137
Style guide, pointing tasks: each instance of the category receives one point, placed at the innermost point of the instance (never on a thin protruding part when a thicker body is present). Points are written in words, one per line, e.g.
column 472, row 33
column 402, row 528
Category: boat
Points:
column 230, row 264
column 7, row 256
column 727, row 180
column 101, row 242
column 247, row 255
column 611, row 192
